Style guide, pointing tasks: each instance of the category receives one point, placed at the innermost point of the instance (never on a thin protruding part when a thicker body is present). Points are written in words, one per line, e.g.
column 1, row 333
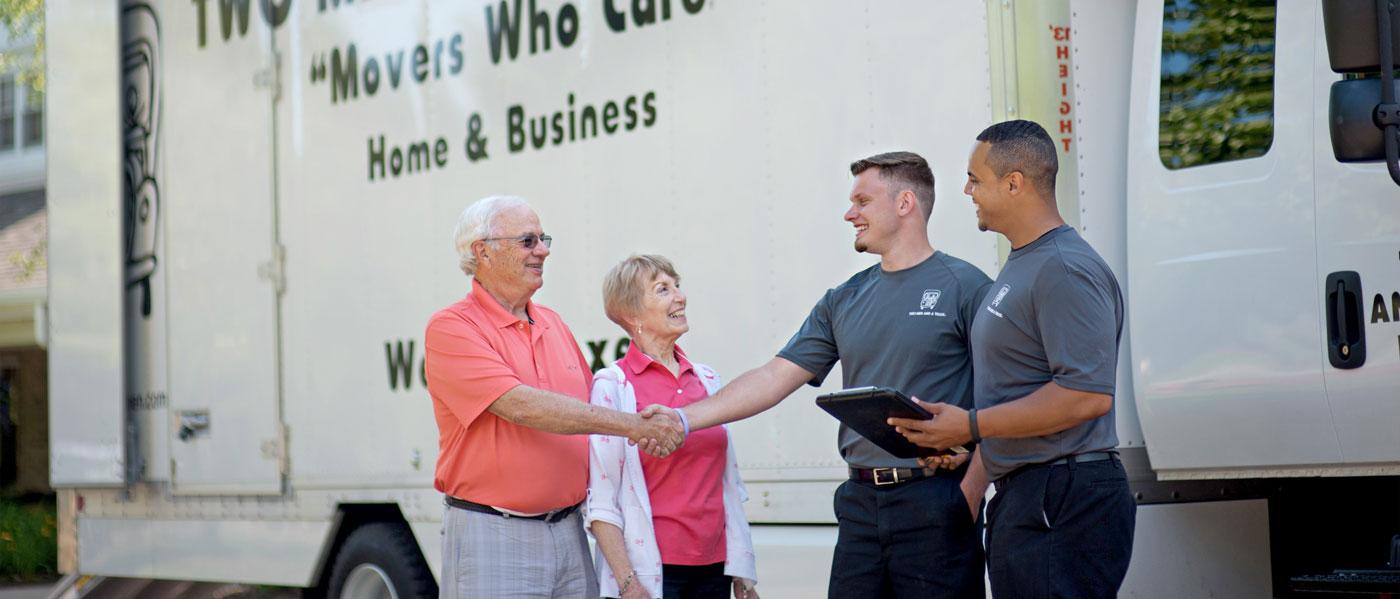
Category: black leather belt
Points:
column 550, row 517
column 890, row 476
column 1083, row 458
column 1093, row 456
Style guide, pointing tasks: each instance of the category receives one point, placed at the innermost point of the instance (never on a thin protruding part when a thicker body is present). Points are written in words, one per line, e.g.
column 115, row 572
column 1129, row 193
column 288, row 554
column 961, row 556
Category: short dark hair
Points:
column 905, row 168
column 1023, row 146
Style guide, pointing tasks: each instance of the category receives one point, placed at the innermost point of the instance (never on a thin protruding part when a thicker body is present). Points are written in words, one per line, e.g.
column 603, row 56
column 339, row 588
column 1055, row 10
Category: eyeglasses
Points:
column 527, row 240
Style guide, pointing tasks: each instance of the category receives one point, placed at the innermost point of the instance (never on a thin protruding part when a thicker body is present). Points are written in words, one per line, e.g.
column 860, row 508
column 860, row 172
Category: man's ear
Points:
column 906, row 202
column 479, row 249
column 1015, row 182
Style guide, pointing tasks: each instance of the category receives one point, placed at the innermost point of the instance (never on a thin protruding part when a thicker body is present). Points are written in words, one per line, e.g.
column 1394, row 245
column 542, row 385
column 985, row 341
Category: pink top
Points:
column 686, row 488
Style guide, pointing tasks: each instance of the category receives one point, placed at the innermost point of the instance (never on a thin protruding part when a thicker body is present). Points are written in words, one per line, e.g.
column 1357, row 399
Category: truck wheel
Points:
column 380, row 560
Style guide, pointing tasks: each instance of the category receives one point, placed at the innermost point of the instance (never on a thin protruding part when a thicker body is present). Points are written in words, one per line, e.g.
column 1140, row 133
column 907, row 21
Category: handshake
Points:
column 658, row 430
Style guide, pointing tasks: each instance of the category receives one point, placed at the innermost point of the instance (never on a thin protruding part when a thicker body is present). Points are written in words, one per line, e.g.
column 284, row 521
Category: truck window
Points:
column 1217, row 99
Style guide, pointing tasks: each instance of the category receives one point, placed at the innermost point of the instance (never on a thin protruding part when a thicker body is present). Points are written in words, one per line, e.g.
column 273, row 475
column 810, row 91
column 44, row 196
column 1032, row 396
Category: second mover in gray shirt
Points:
column 1055, row 313
column 906, row 329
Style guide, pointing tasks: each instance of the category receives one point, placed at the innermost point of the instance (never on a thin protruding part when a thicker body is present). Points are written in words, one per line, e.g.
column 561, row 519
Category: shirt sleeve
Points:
column 1078, row 321
column 972, row 303
column 464, row 371
column 813, row 348
column 739, row 554
column 605, row 459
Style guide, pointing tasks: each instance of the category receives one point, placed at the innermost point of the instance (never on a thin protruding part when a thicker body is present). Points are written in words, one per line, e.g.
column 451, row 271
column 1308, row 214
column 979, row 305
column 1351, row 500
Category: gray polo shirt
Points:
column 1055, row 313
column 906, row 329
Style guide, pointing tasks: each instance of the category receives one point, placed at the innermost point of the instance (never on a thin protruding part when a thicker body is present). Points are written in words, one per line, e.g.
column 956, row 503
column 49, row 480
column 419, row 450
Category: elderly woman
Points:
column 666, row 527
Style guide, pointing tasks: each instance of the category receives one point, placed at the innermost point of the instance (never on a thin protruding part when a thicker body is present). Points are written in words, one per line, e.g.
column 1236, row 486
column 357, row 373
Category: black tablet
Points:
column 865, row 409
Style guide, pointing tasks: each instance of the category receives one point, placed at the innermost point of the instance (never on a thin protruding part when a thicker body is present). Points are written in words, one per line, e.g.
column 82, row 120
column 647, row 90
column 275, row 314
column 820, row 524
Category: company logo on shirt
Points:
column 930, row 299
column 927, row 302
column 996, row 301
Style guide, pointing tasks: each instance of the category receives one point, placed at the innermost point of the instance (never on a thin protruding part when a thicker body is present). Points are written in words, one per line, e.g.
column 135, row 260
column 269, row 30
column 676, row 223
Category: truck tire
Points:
column 380, row 560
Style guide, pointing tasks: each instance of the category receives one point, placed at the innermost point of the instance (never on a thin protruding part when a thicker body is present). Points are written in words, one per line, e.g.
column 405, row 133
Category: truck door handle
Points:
column 1346, row 332
column 192, row 423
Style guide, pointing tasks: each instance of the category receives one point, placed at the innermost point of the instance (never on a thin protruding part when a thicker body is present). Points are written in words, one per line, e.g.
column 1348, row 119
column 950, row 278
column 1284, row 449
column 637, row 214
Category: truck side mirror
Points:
column 1351, row 114
column 1362, row 36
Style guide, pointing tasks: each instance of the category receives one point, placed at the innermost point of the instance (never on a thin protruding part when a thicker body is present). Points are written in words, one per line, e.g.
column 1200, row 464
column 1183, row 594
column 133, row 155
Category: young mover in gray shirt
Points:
column 902, row 530
column 1055, row 313
column 1044, row 357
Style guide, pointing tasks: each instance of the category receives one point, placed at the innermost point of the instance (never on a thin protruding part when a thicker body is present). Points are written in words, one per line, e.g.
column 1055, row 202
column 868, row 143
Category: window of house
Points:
column 1217, row 93
column 33, row 117
column 7, row 112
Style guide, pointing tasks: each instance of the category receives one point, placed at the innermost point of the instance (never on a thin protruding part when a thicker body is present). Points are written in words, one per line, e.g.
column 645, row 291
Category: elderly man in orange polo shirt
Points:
column 510, row 394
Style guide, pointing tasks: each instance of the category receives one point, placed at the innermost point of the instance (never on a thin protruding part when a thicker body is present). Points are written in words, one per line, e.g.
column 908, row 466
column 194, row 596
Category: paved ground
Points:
column 121, row 588
column 25, row 591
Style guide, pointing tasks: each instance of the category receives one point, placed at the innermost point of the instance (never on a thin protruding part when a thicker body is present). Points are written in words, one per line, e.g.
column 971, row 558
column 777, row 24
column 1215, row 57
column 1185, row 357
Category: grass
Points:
column 28, row 540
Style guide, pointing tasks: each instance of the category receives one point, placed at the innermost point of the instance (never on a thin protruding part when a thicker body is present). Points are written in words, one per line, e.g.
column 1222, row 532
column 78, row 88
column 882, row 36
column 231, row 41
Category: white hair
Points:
column 475, row 224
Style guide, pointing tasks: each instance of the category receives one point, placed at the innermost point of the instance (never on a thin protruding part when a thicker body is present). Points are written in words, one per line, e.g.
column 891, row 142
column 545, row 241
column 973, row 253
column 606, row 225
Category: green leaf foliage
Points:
column 24, row 19
column 1217, row 87
column 28, row 540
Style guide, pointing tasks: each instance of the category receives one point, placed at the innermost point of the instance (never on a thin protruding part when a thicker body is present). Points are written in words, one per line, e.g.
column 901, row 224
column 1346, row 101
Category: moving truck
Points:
column 250, row 210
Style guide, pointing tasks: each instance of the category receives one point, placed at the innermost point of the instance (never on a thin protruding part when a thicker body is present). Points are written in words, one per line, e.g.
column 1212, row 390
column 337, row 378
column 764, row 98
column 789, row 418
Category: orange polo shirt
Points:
column 476, row 351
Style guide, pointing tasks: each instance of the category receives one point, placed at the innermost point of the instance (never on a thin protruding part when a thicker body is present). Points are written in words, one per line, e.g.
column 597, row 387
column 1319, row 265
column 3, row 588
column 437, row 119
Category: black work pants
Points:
column 1061, row 531
column 913, row 539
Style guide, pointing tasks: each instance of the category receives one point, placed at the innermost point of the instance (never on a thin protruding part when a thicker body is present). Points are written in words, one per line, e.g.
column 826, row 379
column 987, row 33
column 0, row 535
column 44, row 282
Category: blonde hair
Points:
column 625, row 284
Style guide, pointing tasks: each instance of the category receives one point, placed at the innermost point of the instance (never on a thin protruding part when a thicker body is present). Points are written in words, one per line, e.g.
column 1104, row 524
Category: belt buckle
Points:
column 893, row 476
column 557, row 515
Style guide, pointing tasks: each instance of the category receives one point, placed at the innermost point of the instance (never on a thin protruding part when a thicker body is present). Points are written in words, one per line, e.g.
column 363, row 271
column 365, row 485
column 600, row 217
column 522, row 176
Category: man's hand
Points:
column 659, row 431
column 974, row 485
column 948, row 427
column 947, row 462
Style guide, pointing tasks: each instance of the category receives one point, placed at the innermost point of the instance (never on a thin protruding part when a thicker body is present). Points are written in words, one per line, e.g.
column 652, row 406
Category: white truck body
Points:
column 250, row 216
